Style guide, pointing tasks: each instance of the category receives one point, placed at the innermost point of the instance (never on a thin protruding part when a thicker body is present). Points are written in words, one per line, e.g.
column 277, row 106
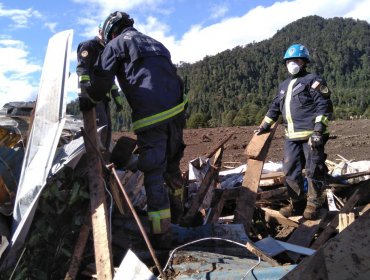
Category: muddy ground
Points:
column 349, row 139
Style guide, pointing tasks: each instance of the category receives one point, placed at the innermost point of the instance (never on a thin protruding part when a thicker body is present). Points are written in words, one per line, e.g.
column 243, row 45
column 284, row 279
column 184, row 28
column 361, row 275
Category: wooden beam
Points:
column 188, row 218
column 256, row 150
column 76, row 259
column 252, row 248
column 280, row 218
column 345, row 256
column 304, row 234
column 331, row 227
column 218, row 146
column 99, row 214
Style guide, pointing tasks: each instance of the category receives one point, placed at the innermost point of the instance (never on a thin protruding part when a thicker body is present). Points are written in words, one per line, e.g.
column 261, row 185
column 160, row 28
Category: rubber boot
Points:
column 163, row 241
column 176, row 193
column 294, row 208
column 311, row 212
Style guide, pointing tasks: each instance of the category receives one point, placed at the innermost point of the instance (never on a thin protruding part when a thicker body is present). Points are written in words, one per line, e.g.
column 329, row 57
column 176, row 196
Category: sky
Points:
column 190, row 29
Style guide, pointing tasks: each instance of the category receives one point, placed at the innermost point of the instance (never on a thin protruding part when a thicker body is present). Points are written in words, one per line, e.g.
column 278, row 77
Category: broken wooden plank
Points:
column 76, row 259
column 331, row 227
column 99, row 213
column 218, row 202
column 265, row 195
column 218, row 146
column 259, row 253
column 188, row 218
column 345, row 219
column 345, row 256
column 246, row 202
column 258, row 142
column 280, row 218
column 304, row 234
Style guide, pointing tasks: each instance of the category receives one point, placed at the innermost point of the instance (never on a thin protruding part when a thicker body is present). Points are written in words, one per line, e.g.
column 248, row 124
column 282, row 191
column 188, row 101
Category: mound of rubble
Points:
column 230, row 227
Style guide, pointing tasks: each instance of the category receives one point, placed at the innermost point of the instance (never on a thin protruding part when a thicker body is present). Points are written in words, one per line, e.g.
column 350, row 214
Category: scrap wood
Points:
column 255, row 146
column 364, row 209
column 331, row 227
column 218, row 202
column 247, row 199
column 76, row 259
column 213, row 151
column 345, row 256
column 117, row 197
column 304, row 234
column 280, row 218
column 341, row 178
column 264, row 195
column 284, row 232
column 259, row 253
column 99, row 214
column 137, row 219
column 210, row 176
column 345, row 219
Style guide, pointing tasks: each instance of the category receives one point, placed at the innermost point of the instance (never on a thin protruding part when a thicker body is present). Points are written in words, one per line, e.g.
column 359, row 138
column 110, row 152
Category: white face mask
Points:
column 293, row 67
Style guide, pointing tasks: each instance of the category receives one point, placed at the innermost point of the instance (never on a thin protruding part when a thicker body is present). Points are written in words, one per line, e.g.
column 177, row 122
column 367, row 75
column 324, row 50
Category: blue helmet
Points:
column 115, row 23
column 297, row 51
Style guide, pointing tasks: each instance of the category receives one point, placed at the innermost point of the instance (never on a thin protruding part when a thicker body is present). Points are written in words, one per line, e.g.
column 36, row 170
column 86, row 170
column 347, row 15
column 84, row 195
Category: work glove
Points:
column 85, row 87
column 264, row 128
column 316, row 140
column 86, row 104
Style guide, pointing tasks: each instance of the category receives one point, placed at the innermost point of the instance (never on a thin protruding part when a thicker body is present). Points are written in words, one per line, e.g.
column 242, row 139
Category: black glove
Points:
column 316, row 140
column 85, row 87
column 85, row 103
column 264, row 128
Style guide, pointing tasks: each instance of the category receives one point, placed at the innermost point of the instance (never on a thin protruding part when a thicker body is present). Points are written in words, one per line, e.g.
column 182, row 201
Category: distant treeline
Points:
column 235, row 87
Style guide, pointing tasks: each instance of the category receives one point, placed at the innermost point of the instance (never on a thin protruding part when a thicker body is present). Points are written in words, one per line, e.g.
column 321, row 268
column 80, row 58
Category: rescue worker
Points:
column 304, row 102
column 149, row 80
column 87, row 54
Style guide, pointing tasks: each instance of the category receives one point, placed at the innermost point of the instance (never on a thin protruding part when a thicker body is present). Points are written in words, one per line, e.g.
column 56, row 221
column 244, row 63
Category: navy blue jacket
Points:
column 145, row 74
column 87, row 54
column 304, row 103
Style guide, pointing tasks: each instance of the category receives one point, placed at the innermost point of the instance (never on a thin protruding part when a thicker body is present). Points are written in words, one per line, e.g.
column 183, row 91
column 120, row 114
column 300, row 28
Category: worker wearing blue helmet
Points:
column 304, row 102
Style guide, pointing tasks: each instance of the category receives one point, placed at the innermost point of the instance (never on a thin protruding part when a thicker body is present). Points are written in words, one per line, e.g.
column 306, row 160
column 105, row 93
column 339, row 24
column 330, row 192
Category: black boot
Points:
column 311, row 212
column 294, row 208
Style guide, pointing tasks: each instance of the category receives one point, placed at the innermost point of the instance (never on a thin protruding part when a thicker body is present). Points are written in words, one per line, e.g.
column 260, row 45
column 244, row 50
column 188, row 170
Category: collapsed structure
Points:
column 80, row 218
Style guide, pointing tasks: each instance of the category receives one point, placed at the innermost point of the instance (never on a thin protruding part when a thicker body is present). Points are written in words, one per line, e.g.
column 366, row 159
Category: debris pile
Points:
column 230, row 228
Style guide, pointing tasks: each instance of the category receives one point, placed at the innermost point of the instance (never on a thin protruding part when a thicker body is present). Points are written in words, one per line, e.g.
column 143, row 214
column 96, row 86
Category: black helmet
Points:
column 114, row 23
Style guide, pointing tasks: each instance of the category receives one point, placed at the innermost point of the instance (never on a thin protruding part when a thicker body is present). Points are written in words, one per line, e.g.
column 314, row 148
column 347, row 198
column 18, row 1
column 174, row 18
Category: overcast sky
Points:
column 190, row 29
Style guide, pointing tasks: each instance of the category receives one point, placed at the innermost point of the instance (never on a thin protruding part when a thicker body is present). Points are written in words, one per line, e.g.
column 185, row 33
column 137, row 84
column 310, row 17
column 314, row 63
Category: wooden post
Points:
column 256, row 154
column 99, row 214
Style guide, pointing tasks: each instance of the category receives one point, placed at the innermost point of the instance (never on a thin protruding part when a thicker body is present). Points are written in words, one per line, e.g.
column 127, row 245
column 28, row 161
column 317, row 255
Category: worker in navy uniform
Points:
column 154, row 91
column 304, row 102
column 87, row 54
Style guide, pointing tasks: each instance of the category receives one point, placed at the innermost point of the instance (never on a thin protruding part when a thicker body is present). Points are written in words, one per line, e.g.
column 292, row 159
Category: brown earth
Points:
column 349, row 139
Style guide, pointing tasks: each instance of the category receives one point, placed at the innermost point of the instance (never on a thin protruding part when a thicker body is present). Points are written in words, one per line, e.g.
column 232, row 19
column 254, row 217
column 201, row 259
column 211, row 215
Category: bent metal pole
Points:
column 151, row 250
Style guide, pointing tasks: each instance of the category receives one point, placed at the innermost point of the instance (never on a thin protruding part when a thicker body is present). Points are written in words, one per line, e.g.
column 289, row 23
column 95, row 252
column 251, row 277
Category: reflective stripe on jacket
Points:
column 146, row 76
column 304, row 106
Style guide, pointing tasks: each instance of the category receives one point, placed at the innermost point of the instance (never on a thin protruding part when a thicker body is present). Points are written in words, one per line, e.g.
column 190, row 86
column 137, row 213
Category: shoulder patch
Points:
column 84, row 53
column 315, row 84
column 324, row 90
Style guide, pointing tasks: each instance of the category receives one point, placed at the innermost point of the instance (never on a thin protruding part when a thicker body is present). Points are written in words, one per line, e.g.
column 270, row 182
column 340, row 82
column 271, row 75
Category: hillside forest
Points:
column 235, row 87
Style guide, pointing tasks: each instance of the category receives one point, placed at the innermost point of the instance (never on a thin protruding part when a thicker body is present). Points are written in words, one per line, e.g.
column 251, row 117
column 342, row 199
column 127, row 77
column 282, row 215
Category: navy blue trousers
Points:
column 298, row 156
column 160, row 150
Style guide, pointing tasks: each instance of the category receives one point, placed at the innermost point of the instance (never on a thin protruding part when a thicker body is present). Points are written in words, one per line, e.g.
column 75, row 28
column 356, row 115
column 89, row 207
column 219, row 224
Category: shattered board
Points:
column 44, row 136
